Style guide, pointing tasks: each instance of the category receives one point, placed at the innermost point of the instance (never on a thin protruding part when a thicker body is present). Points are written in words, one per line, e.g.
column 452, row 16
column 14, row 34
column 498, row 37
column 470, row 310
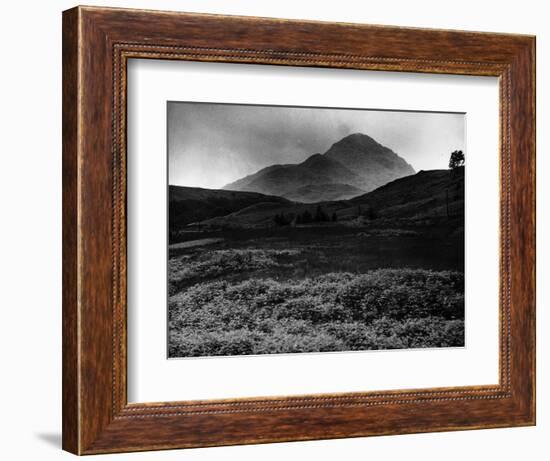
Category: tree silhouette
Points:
column 282, row 219
column 456, row 160
column 306, row 217
column 319, row 214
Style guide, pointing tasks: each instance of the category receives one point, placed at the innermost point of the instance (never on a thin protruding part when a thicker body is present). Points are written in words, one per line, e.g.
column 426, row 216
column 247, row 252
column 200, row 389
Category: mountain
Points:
column 193, row 204
column 373, row 162
column 357, row 161
column 323, row 193
column 282, row 179
column 243, row 182
column 424, row 195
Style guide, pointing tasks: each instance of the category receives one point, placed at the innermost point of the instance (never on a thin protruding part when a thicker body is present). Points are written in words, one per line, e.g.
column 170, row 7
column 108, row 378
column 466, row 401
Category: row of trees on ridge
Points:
column 306, row 217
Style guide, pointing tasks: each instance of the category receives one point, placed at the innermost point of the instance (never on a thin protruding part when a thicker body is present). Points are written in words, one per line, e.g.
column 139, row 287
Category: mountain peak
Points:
column 360, row 141
column 368, row 158
column 356, row 161
column 358, row 137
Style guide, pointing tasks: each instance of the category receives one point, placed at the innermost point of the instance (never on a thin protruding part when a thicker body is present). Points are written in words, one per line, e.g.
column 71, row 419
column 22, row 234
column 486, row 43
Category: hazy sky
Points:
column 210, row 145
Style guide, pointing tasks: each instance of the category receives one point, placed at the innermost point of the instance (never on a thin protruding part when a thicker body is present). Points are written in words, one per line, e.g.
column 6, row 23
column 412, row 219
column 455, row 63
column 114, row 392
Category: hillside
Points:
column 323, row 192
column 193, row 204
column 357, row 161
column 427, row 194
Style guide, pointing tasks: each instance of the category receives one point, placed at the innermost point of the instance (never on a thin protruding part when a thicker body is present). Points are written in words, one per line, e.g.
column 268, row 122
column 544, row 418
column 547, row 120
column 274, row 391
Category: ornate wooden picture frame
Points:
column 97, row 44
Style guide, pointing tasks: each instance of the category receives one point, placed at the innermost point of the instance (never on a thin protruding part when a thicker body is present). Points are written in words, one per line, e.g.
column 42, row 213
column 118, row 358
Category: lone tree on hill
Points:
column 456, row 160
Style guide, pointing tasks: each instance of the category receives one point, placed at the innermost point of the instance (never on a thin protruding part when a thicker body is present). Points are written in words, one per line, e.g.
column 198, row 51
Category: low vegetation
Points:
column 379, row 309
column 202, row 265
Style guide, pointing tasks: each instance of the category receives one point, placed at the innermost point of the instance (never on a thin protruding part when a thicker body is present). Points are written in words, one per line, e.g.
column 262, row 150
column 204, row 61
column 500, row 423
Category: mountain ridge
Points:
column 356, row 160
column 424, row 195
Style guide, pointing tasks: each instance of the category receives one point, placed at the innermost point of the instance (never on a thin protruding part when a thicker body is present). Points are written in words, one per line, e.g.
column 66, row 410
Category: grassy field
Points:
column 316, row 289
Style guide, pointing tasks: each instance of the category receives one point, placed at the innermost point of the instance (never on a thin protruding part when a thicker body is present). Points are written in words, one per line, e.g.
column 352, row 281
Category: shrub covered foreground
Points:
column 381, row 309
column 212, row 264
column 218, row 262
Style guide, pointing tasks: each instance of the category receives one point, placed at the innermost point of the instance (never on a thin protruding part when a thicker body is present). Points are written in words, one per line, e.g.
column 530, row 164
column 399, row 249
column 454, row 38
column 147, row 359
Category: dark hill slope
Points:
column 193, row 204
column 427, row 194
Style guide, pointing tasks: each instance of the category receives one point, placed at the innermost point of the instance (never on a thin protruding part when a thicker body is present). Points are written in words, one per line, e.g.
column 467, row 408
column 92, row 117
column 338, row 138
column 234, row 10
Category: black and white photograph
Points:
column 313, row 229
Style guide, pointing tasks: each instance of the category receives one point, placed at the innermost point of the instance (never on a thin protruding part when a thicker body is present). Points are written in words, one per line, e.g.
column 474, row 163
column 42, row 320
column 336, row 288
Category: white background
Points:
column 30, row 243
column 153, row 378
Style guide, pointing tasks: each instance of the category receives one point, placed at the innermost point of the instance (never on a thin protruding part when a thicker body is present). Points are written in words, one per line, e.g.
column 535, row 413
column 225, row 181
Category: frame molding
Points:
column 97, row 43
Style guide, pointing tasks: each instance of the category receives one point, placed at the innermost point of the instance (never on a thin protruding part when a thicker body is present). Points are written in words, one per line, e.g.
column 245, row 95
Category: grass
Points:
column 343, row 311
column 297, row 253
column 200, row 265
column 218, row 262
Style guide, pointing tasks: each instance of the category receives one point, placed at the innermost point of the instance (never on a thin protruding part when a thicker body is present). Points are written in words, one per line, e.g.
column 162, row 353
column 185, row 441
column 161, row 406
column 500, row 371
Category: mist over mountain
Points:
column 356, row 164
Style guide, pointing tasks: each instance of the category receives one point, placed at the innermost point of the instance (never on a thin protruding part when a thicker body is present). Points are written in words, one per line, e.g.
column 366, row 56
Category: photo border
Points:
column 97, row 43
column 285, row 106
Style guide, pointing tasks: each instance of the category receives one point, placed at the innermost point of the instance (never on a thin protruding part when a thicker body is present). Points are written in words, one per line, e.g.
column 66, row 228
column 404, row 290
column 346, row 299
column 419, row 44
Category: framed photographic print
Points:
column 284, row 230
